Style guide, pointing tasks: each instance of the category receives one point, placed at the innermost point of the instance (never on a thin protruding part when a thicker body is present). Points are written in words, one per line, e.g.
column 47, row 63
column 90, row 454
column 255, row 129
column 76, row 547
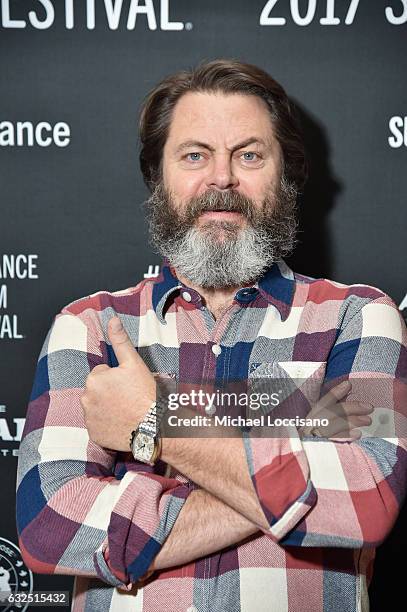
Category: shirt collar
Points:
column 165, row 285
column 277, row 286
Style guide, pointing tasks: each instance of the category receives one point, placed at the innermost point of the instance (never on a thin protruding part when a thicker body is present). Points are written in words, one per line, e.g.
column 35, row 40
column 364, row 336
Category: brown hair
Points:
column 226, row 76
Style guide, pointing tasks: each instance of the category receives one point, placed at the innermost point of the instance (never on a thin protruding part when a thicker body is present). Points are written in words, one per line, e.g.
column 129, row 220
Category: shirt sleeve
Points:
column 73, row 515
column 338, row 492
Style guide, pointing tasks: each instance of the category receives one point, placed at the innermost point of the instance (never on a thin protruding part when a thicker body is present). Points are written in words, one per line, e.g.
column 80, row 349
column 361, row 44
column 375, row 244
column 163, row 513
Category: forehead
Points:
column 219, row 117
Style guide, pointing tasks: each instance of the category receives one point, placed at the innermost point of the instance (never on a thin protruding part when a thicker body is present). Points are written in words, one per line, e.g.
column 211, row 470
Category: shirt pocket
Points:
column 297, row 383
column 292, row 369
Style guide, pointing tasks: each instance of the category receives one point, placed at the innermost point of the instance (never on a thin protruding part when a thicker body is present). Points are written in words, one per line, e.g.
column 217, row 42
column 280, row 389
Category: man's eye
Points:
column 194, row 156
column 250, row 156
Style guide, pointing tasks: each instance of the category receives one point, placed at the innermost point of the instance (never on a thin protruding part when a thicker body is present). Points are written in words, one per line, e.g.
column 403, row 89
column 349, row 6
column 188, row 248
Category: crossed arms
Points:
column 301, row 493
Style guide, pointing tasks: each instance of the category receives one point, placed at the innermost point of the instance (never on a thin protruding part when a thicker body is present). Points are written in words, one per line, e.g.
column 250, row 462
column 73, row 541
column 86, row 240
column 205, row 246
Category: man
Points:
column 215, row 524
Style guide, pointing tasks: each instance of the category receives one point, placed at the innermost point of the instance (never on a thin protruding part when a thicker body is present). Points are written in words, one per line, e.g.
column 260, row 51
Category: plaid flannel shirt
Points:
column 102, row 516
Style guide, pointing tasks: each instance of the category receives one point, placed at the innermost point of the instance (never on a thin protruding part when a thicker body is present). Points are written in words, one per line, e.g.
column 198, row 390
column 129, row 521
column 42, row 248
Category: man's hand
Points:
column 344, row 417
column 115, row 400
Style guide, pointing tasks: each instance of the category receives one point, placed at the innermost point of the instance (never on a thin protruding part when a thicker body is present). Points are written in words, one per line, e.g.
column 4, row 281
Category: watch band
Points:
column 150, row 427
column 153, row 417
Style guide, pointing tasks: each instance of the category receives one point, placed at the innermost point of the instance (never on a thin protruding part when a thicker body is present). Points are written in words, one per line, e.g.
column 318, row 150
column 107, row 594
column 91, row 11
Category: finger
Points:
column 339, row 425
column 342, row 410
column 333, row 396
column 337, row 431
column 360, row 419
column 354, row 434
column 356, row 408
column 121, row 343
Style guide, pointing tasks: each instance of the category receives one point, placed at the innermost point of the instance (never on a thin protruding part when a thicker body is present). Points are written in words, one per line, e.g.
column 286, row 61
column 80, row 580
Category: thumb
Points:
column 121, row 343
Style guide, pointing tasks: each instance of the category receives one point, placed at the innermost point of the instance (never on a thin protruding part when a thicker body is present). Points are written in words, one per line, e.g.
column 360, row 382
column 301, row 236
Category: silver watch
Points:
column 145, row 443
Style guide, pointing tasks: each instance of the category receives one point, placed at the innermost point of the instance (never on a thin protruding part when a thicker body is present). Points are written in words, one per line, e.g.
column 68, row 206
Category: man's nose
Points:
column 221, row 175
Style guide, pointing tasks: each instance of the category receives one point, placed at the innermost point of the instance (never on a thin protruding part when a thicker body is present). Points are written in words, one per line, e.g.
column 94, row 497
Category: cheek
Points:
column 254, row 189
column 257, row 184
column 186, row 186
column 194, row 183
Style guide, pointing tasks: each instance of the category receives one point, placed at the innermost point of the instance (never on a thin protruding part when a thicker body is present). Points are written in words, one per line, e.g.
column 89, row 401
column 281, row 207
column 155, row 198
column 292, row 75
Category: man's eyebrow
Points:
column 203, row 145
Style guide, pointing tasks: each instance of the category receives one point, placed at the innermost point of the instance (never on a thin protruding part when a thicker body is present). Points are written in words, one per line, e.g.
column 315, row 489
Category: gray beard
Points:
column 220, row 254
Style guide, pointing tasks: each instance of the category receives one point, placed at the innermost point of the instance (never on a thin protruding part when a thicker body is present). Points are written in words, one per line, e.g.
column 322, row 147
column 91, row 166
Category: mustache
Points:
column 213, row 201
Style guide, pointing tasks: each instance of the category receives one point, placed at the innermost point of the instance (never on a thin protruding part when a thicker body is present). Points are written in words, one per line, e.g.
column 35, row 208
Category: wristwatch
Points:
column 145, row 442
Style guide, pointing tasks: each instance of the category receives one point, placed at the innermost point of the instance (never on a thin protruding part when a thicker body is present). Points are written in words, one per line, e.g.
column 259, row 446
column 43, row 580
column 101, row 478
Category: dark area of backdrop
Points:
column 72, row 76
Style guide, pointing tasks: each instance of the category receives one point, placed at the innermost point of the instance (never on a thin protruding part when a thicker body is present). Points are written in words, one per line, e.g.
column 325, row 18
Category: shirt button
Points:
column 216, row 349
column 187, row 296
column 192, row 609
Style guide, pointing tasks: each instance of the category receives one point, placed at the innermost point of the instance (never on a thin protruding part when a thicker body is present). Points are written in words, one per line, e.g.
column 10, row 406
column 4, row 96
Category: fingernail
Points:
column 116, row 324
column 365, row 419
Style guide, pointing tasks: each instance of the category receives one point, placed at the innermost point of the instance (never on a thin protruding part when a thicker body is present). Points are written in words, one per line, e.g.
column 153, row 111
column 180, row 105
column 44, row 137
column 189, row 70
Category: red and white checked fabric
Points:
column 101, row 516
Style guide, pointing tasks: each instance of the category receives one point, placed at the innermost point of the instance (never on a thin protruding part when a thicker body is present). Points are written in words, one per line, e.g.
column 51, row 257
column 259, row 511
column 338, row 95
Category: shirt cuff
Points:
column 139, row 525
column 280, row 475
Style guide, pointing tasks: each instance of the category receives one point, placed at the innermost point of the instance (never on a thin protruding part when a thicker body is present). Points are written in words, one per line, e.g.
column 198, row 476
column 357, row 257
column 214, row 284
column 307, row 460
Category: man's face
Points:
column 223, row 211
column 223, row 143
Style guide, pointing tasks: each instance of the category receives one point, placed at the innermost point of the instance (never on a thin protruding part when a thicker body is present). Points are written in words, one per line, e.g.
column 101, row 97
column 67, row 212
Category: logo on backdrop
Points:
column 398, row 129
column 156, row 14
column 336, row 13
column 14, row 576
column 153, row 14
column 14, row 268
column 153, row 271
column 11, row 431
column 28, row 134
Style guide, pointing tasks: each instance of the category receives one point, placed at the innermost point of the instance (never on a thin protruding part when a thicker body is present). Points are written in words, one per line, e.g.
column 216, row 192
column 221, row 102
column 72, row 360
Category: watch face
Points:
column 143, row 447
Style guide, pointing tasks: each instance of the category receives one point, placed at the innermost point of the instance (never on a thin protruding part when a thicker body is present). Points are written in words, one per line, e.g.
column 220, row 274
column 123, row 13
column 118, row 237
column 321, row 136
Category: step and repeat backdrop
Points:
column 72, row 76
